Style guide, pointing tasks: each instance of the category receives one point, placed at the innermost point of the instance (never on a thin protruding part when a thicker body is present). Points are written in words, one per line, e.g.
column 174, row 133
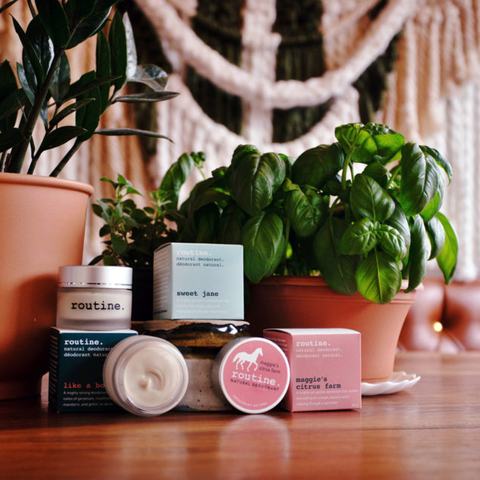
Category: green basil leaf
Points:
column 436, row 235
column 255, row 179
column 241, row 152
column 420, row 181
column 230, row 225
column 104, row 68
column 264, row 245
column 399, row 222
column 59, row 136
column 369, row 199
column 337, row 269
column 432, row 208
column 392, row 242
column 419, row 253
column 441, row 161
column 373, row 141
column 118, row 49
column 206, row 220
column 359, row 238
column 378, row 277
column 10, row 139
column 378, row 172
column 316, row 166
column 55, row 21
column 175, row 177
column 447, row 259
column 149, row 97
column 306, row 209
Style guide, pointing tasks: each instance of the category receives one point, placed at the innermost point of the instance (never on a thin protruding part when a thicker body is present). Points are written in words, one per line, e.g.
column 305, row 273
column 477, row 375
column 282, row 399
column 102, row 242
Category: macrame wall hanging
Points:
column 282, row 74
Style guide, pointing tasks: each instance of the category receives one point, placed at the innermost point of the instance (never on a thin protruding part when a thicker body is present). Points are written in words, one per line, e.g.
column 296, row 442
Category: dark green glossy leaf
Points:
column 306, row 209
column 61, row 80
column 88, row 117
column 119, row 244
column 30, row 54
column 369, row 199
column 337, row 269
column 148, row 97
column 11, row 104
column 118, row 49
column 69, row 110
column 55, row 21
column 241, row 152
column 392, row 242
column 255, row 179
column 88, row 27
column 264, row 244
column 129, row 131
column 378, row 277
column 436, row 235
column 316, row 166
column 378, row 172
column 10, row 139
column 447, row 259
column 104, row 68
column 61, row 135
column 8, row 88
column 87, row 82
column 27, row 89
column 151, row 75
column 359, row 238
column 420, row 181
column 419, row 253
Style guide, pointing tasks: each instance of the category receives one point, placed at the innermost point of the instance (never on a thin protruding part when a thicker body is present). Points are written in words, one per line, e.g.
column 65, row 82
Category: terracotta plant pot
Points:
column 42, row 227
column 308, row 302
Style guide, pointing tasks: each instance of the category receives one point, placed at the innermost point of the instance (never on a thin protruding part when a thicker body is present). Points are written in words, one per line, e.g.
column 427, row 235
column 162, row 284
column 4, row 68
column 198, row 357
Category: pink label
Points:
column 255, row 375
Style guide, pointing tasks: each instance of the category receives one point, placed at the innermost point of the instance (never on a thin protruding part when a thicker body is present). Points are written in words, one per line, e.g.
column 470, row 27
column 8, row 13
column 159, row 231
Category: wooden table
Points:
column 431, row 431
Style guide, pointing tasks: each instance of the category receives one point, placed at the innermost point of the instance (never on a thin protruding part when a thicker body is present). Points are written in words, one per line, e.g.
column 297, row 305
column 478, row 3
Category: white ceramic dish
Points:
column 396, row 383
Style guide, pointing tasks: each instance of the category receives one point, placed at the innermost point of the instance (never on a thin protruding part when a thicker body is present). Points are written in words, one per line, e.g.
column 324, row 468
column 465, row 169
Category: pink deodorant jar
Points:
column 252, row 374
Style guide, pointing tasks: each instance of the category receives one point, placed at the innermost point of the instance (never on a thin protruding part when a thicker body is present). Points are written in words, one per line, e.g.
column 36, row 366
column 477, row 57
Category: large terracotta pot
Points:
column 42, row 226
column 308, row 302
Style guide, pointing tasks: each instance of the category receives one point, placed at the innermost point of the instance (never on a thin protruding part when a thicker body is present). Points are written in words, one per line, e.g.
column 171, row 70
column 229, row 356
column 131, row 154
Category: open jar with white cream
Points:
column 146, row 376
column 94, row 297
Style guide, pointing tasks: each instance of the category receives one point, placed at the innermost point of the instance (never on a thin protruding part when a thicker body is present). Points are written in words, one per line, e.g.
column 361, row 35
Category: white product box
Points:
column 194, row 281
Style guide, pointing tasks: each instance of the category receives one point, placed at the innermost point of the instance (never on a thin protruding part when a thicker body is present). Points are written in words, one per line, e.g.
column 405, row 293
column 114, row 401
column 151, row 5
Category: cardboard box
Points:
column 325, row 368
column 198, row 282
column 76, row 369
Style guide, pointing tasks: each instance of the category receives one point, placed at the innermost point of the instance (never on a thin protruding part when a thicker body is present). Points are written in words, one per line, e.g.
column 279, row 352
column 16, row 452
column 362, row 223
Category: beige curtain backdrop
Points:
column 433, row 95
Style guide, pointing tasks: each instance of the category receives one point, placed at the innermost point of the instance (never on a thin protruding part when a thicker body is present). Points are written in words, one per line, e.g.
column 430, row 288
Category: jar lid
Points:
column 252, row 374
column 94, row 276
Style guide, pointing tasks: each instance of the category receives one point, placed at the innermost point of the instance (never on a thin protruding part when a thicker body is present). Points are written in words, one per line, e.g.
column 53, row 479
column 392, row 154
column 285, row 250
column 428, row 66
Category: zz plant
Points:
column 46, row 93
column 363, row 212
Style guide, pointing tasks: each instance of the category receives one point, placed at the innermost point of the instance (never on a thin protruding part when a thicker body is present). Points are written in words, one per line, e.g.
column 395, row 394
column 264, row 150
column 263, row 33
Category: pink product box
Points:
column 325, row 368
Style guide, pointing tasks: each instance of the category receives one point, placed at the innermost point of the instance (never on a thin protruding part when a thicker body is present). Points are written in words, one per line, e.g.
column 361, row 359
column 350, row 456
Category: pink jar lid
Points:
column 252, row 374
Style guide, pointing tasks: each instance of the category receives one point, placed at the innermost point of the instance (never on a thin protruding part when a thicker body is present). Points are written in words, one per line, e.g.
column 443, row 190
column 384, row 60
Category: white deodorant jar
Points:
column 94, row 297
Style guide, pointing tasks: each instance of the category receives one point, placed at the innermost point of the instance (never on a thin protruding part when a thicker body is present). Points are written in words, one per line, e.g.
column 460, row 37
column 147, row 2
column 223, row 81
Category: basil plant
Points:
column 40, row 89
column 363, row 212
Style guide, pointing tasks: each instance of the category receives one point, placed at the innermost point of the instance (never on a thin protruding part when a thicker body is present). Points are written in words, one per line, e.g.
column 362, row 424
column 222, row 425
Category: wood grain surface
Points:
column 431, row 431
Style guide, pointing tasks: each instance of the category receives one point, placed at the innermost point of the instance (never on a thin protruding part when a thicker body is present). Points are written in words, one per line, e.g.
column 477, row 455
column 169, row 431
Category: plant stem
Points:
column 395, row 171
column 66, row 158
column 18, row 155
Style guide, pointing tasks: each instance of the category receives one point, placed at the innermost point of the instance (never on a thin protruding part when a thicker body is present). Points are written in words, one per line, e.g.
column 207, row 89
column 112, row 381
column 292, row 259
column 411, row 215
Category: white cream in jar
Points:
column 94, row 297
column 147, row 376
